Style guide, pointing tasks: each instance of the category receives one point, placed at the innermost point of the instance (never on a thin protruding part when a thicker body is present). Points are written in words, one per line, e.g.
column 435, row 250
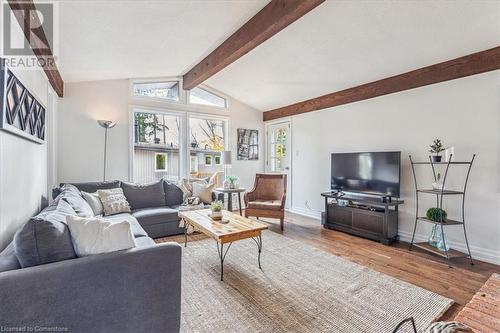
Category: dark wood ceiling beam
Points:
column 476, row 63
column 38, row 42
column 273, row 18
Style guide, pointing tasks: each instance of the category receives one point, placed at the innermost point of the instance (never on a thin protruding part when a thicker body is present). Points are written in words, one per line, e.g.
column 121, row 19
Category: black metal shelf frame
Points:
column 439, row 201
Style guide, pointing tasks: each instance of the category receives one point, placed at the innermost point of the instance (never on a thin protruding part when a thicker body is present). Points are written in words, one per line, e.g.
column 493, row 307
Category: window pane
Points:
column 204, row 97
column 156, row 147
column 165, row 90
column 206, row 142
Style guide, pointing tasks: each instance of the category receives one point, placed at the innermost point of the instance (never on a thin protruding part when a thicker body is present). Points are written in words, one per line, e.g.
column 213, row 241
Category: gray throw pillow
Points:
column 144, row 195
column 173, row 194
column 78, row 203
column 46, row 237
column 94, row 202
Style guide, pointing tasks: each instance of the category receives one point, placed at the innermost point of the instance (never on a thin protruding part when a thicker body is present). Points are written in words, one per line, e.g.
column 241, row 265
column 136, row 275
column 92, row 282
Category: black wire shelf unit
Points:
column 440, row 194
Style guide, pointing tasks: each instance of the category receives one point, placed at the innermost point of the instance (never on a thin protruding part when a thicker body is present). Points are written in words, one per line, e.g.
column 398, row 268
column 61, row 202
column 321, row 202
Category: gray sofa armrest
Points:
column 136, row 290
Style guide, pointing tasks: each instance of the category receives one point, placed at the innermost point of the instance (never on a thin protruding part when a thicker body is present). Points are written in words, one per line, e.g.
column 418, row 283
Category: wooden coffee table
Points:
column 238, row 228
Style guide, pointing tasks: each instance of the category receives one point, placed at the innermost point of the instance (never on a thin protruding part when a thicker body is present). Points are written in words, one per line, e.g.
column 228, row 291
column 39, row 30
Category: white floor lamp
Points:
column 106, row 124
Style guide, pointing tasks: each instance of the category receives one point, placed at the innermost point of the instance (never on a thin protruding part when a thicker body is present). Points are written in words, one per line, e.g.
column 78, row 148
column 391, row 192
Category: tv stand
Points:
column 369, row 217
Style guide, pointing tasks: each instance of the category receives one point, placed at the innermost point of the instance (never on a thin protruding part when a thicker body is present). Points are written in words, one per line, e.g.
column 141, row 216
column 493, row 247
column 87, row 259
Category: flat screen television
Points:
column 375, row 173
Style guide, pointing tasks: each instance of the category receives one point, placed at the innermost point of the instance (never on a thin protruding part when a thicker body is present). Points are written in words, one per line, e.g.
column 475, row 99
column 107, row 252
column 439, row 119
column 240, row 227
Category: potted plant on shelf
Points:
column 216, row 208
column 231, row 182
column 436, row 148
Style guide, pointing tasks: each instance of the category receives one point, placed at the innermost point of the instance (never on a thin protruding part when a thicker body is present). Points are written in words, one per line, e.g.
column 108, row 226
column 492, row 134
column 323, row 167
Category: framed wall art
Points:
column 22, row 113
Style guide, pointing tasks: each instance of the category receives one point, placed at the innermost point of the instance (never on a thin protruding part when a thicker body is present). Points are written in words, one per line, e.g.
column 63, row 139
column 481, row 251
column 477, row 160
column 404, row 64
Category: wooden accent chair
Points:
column 267, row 198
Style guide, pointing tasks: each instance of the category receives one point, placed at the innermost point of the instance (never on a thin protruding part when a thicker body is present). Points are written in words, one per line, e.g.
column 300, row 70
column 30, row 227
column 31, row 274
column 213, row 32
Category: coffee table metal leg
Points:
column 222, row 256
column 258, row 241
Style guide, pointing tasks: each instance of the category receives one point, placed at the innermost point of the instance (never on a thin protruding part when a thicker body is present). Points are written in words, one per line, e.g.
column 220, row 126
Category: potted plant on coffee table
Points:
column 216, row 208
column 436, row 148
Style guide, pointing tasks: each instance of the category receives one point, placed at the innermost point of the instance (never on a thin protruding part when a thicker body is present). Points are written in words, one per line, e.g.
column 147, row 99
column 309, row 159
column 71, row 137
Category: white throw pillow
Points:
column 114, row 201
column 95, row 235
column 203, row 191
column 94, row 202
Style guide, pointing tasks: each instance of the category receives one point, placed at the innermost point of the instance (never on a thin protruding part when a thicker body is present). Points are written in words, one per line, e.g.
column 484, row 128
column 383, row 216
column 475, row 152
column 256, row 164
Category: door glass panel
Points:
column 278, row 149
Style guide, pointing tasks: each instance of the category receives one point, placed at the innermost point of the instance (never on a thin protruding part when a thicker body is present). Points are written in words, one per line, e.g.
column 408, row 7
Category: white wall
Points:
column 464, row 113
column 80, row 146
column 23, row 166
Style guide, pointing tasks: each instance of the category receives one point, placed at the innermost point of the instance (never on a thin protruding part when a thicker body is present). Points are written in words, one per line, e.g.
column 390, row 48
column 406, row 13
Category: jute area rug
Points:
column 299, row 289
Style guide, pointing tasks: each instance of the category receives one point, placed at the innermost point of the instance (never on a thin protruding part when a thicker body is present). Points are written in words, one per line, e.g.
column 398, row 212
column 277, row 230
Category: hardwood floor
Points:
column 459, row 283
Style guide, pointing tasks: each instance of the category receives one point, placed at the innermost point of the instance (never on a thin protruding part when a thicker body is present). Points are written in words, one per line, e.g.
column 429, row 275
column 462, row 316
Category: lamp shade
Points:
column 106, row 123
column 226, row 157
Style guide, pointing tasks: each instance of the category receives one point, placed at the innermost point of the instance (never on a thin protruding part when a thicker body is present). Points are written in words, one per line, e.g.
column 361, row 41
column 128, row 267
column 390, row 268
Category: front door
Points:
column 278, row 153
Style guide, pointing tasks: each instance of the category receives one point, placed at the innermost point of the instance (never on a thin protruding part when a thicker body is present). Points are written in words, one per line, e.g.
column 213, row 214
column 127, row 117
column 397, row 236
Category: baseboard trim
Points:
column 479, row 253
column 305, row 212
column 483, row 254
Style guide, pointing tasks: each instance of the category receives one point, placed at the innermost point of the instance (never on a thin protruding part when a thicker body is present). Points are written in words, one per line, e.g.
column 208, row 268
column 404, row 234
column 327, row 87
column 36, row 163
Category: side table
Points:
column 230, row 192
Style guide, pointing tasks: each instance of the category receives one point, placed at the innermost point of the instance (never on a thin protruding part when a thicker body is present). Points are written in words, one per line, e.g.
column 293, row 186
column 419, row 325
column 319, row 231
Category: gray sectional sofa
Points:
column 44, row 284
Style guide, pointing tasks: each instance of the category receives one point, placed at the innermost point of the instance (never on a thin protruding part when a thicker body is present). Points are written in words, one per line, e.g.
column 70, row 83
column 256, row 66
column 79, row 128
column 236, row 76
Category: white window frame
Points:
column 170, row 112
column 166, row 163
column 184, row 147
column 182, row 93
column 212, row 91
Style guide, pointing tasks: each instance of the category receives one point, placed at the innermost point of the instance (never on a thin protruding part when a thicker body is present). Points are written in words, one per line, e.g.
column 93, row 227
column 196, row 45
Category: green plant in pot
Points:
column 216, row 208
column 231, row 182
column 436, row 148
column 437, row 214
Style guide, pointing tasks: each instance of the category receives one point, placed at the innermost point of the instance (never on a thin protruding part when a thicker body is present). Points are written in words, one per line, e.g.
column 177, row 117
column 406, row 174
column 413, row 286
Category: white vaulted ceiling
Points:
column 338, row 45
column 115, row 39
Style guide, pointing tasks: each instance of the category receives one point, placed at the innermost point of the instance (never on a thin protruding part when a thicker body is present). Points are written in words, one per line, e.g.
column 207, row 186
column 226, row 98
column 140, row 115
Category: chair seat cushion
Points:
column 136, row 228
column 150, row 216
column 265, row 204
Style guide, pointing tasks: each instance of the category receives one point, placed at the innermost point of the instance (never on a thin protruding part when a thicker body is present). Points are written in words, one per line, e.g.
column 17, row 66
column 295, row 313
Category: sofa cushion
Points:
column 8, row 259
column 91, row 187
column 144, row 241
column 173, row 194
column 137, row 230
column 144, row 195
column 45, row 238
column 149, row 216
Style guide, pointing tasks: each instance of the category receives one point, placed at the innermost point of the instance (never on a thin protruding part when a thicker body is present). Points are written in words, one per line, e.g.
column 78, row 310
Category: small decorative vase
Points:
column 226, row 184
column 216, row 216
column 437, row 186
column 436, row 158
column 441, row 245
column 435, row 236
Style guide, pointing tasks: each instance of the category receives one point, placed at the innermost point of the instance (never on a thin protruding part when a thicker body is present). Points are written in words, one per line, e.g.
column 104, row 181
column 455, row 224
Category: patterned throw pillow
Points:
column 113, row 201
column 186, row 185
column 203, row 191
